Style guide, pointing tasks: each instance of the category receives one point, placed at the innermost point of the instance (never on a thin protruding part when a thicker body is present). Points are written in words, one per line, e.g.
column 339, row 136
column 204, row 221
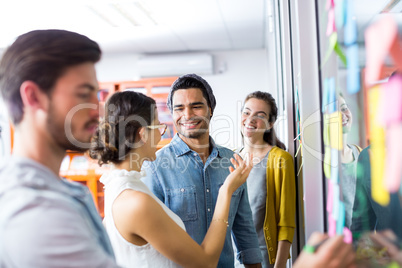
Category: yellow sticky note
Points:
column 326, row 129
column 377, row 156
column 335, row 130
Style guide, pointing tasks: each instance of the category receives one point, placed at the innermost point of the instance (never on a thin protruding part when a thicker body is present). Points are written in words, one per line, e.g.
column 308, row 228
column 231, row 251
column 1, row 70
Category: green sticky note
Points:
column 333, row 40
column 393, row 265
column 340, row 53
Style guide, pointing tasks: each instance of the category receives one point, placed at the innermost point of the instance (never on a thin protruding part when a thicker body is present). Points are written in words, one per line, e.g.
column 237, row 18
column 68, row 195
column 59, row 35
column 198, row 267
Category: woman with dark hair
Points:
column 271, row 183
column 143, row 231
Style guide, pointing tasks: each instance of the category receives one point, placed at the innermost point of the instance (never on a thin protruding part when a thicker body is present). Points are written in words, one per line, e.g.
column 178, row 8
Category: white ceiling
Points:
column 182, row 25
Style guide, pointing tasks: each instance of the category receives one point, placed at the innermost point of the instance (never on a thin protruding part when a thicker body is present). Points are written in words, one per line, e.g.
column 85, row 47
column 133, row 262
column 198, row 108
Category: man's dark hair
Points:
column 192, row 81
column 41, row 56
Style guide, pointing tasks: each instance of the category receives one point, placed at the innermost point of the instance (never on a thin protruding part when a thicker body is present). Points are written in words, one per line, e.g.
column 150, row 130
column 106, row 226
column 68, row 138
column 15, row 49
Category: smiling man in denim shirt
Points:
column 188, row 172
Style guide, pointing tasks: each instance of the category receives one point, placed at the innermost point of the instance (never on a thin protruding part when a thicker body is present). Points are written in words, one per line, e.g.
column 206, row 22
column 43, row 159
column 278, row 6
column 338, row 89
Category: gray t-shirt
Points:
column 257, row 195
column 348, row 185
column 46, row 221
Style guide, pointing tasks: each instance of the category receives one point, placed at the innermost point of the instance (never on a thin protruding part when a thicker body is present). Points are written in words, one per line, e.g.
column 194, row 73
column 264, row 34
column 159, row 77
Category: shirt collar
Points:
column 181, row 148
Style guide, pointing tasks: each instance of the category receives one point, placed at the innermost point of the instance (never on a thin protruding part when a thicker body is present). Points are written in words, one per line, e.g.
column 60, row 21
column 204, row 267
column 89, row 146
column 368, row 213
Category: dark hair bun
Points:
column 125, row 113
column 102, row 149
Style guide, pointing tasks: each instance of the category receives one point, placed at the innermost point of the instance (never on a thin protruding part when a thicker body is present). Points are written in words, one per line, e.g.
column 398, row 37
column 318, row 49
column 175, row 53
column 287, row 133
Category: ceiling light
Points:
column 136, row 13
column 394, row 6
column 110, row 14
column 123, row 13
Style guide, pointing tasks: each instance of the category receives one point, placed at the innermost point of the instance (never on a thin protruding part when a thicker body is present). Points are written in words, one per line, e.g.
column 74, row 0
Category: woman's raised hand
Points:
column 239, row 172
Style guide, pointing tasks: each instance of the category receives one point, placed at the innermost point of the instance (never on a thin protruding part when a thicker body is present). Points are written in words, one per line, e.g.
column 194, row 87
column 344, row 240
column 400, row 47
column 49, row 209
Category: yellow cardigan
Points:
column 279, row 223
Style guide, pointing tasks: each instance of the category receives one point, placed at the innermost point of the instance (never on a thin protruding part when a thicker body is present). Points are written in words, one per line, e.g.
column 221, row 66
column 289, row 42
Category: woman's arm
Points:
column 282, row 254
column 140, row 219
column 287, row 203
column 287, row 210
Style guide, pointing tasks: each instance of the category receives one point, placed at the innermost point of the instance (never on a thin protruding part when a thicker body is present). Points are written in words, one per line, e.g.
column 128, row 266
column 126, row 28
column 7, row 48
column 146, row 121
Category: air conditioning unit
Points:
column 175, row 64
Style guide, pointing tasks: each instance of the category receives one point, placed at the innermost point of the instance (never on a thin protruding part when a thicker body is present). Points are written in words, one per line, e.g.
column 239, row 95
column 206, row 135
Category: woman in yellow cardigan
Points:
column 271, row 183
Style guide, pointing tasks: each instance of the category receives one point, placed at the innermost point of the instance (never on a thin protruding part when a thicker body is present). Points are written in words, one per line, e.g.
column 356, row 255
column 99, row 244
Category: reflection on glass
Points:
column 368, row 215
column 349, row 155
column 356, row 104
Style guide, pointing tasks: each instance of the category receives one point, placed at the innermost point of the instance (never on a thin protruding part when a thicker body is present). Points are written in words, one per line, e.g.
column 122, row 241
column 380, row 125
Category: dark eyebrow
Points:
column 191, row 104
column 197, row 103
column 88, row 86
column 259, row 112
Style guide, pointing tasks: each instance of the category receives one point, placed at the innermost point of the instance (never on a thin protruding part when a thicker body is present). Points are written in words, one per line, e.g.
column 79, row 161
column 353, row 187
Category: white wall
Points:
column 237, row 74
column 118, row 67
column 246, row 72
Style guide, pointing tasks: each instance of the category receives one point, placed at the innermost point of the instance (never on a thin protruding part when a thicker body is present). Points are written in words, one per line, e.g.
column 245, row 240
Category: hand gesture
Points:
column 332, row 253
column 238, row 173
column 389, row 240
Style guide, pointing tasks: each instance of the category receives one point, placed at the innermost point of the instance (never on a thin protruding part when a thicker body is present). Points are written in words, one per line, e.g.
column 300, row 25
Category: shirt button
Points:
column 268, row 238
column 270, row 249
column 273, row 260
column 195, row 154
column 182, row 190
column 265, row 228
column 209, row 210
column 207, row 190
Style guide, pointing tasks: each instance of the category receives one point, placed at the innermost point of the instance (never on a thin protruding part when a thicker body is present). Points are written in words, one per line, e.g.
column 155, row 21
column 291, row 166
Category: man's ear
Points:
column 32, row 96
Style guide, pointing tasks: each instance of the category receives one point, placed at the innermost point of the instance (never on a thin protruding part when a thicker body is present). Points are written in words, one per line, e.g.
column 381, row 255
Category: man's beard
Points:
column 56, row 129
column 200, row 132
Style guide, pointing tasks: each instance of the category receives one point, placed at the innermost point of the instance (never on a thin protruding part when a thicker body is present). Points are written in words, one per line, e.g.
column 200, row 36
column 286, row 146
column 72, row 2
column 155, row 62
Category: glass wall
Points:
column 359, row 47
column 344, row 56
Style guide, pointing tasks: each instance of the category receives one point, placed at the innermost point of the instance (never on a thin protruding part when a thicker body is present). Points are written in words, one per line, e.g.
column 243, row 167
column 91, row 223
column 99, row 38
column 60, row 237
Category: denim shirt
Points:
column 46, row 221
column 179, row 178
